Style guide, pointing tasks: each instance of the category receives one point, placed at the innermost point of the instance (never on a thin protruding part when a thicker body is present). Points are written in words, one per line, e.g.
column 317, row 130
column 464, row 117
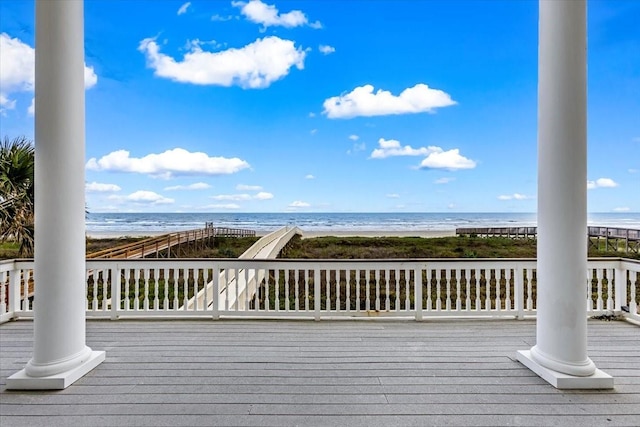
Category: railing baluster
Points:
column 396, row 276
column 387, row 277
column 467, row 279
column 94, row 300
column 367, row 277
column 407, row 292
column 447, row 278
column 457, row 276
column 156, row 299
column 277, row 296
column 438, row 277
column 306, row 275
column 338, row 282
column 348, row 282
column 497, row 273
column 287, row 279
column 358, row 278
column 508, row 276
column 297, row 289
column 377, row 279
column 327, row 275
column 487, row 285
column 610, row 290
column 145, row 279
column 599, row 301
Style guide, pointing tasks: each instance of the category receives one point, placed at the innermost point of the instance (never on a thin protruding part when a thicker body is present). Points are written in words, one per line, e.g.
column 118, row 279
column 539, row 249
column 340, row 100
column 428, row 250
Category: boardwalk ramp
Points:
column 240, row 285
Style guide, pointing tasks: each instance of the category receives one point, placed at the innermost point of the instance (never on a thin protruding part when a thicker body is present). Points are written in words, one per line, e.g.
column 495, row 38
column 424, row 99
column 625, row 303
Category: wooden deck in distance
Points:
column 335, row 373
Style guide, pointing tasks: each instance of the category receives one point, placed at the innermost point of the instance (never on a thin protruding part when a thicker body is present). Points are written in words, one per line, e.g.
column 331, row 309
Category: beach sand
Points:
column 305, row 235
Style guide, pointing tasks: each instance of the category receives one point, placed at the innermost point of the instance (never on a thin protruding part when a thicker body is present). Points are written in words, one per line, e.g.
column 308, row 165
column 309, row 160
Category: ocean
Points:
column 155, row 223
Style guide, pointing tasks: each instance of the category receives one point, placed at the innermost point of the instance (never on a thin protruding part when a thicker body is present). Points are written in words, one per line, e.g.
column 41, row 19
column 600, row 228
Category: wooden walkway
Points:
column 155, row 246
column 613, row 239
column 349, row 373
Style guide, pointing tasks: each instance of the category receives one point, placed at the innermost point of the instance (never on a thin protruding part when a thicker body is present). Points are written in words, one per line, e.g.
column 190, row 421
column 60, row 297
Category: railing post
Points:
column 316, row 292
column 418, row 291
column 518, row 288
column 14, row 291
column 620, row 282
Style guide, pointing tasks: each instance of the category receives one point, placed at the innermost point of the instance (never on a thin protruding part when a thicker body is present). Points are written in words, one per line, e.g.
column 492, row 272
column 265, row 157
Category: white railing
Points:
column 321, row 289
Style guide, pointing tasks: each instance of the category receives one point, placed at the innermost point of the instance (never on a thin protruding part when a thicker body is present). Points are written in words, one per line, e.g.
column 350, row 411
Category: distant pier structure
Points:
column 602, row 238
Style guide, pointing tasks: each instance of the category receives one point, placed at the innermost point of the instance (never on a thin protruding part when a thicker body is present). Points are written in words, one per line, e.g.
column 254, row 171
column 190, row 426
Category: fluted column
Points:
column 60, row 355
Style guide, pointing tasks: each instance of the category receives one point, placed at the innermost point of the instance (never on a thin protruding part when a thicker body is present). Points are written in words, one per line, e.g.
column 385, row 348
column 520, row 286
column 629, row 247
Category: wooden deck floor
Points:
column 343, row 373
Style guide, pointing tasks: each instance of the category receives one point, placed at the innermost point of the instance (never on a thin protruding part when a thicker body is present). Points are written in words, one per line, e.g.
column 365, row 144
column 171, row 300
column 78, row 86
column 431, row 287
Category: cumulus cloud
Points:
column 17, row 70
column 253, row 66
column 269, row 16
column 392, row 147
column 97, row 187
column 435, row 157
column 194, row 186
column 451, row 160
column 354, row 137
column 444, row 180
column 309, row 176
column 144, row 197
column 299, row 204
column 363, row 102
column 326, row 49
column 622, row 209
column 514, row 196
column 167, row 164
column 183, row 8
column 263, row 195
column 601, row 183
column 243, row 187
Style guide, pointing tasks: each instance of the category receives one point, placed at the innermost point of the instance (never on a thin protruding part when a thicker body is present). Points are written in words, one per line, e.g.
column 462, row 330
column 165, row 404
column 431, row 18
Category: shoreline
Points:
column 305, row 234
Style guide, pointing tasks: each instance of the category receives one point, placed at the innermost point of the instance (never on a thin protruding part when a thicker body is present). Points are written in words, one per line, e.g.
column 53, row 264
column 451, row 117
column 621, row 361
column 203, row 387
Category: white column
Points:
column 561, row 348
column 60, row 355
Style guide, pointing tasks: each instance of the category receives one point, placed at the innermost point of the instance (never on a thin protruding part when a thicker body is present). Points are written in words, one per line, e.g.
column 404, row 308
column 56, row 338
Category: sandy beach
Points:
column 306, row 234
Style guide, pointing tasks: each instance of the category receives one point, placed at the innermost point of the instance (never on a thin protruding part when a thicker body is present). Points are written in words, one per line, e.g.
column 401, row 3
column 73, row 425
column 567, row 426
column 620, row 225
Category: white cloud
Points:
column 221, row 18
column 514, row 196
column 17, row 70
column 183, row 8
column 363, row 102
column 313, row 131
column 263, row 195
column 253, row 66
column 451, row 206
column 601, row 183
column 451, row 160
column 96, row 187
column 393, row 196
column 299, row 204
column 392, row 147
column 168, row 164
column 444, row 180
column 144, row 197
column 243, row 187
column 435, row 157
column 312, row 114
column 32, row 107
column 268, row 15
column 194, row 186
column 232, row 197
column 309, row 176
column 354, row 137
column 326, row 49
column 226, row 206
column 622, row 209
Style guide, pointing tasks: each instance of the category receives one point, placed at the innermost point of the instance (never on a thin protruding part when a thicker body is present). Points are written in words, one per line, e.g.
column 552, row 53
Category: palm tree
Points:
column 17, row 160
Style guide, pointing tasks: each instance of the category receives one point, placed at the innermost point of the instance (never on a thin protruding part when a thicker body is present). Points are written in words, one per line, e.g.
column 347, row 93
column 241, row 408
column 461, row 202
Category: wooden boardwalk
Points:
column 343, row 373
column 162, row 246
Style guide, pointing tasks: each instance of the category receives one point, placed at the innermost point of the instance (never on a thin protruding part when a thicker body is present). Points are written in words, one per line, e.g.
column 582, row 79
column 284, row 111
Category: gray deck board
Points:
column 285, row 373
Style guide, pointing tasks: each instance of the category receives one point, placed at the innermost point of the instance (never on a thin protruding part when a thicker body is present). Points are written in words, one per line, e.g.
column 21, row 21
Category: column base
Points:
column 21, row 381
column 598, row 381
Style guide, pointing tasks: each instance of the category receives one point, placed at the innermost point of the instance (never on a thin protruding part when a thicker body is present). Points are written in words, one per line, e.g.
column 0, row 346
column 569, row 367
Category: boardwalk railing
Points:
column 615, row 239
column 166, row 242
column 320, row 289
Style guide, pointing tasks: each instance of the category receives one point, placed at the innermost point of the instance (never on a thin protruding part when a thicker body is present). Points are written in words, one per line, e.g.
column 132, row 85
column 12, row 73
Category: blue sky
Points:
column 311, row 106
